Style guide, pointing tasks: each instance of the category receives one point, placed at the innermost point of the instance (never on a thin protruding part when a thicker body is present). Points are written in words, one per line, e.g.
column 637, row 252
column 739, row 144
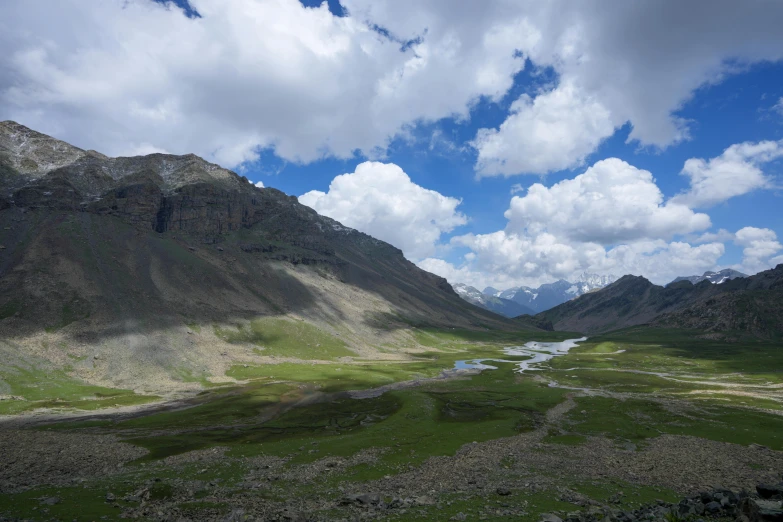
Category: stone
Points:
column 549, row 517
column 769, row 491
column 369, row 499
column 770, row 510
column 713, row 508
column 504, row 492
column 50, row 501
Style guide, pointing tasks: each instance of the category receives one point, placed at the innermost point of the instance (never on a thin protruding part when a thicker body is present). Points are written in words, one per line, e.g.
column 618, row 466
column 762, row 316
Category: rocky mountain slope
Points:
column 751, row 305
column 713, row 277
column 504, row 307
column 146, row 272
column 552, row 294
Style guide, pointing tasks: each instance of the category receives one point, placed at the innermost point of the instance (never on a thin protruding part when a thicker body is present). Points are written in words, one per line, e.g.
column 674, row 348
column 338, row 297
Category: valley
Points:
column 654, row 415
column 177, row 343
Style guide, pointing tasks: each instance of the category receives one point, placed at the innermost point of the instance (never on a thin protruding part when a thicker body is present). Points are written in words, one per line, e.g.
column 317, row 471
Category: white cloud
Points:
column 246, row 76
column 553, row 131
column 259, row 184
column 505, row 260
column 721, row 236
column 759, row 245
column 612, row 219
column 638, row 62
column 381, row 200
column 252, row 75
column 516, row 188
column 144, row 149
column 735, row 172
column 612, row 201
column 778, row 107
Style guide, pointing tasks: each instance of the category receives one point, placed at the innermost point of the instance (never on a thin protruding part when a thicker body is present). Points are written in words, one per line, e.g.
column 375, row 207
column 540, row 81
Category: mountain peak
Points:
column 720, row 277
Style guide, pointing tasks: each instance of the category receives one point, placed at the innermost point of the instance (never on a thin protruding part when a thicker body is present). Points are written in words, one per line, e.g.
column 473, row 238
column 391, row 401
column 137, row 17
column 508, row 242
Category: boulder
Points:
column 713, row 508
column 748, row 511
column 770, row 491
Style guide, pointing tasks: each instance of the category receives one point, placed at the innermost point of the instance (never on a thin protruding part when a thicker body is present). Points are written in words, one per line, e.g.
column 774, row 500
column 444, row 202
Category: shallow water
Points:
column 537, row 353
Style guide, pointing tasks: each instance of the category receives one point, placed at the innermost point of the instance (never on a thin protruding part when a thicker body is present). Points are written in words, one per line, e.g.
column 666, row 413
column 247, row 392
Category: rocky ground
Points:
column 494, row 480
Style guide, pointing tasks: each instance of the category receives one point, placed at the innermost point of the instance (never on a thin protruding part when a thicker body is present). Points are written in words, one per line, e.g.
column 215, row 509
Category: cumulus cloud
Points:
column 248, row 75
column 735, row 172
column 611, row 219
column 759, row 245
column 259, row 184
column 505, row 260
column 637, row 63
column 551, row 132
column 381, row 200
column 611, row 201
column 253, row 75
column 721, row 236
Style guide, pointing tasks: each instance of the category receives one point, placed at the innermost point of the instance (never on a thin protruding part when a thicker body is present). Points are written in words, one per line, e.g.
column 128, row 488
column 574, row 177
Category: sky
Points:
column 497, row 143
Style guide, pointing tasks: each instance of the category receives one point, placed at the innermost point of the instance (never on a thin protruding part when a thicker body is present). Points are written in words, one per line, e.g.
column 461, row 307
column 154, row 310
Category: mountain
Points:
column 552, row 294
column 713, row 277
column 143, row 271
column 501, row 306
column 750, row 305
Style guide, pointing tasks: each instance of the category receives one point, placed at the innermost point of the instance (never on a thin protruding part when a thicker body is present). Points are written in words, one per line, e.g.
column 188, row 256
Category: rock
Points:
column 549, row 517
column 504, row 492
column 369, row 499
column 713, row 508
column 237, row 515
column 110, row 497
column 50, row 501
column 770, row 510
column 770, row 491
column 364, row 499
column 459, row 516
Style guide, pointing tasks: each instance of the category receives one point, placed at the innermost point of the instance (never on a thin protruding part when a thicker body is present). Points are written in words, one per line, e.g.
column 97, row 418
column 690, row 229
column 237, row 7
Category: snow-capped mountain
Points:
column 552, row 294
column 491, row 302
column 713, row 277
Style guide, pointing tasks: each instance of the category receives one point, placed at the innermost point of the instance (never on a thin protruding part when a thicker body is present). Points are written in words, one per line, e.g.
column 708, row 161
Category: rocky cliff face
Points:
column 114, row 256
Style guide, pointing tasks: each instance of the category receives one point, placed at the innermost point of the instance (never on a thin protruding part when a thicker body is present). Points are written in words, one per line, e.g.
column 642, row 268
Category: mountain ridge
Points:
column 504, row 307
column 549, row 295
column 751, row 305
column 718, row 278
column 129, row 252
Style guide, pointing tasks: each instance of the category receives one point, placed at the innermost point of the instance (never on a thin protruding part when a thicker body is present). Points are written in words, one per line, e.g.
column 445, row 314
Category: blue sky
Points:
column 425, row 124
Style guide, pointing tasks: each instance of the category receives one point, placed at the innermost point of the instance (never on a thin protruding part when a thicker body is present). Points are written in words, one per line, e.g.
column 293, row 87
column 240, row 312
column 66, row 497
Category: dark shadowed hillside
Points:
column 142, row 270
column 751, row 305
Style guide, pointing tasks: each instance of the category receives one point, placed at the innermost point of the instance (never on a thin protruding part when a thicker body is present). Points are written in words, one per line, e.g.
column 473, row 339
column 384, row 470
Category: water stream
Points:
column 537, row 353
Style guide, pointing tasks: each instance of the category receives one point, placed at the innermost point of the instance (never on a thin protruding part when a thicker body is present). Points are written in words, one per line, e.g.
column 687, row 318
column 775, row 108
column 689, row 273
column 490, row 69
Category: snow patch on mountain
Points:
column 716, row 278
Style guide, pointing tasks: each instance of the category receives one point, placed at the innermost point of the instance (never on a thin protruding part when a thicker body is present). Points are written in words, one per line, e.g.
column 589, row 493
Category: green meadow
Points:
column 301, row 412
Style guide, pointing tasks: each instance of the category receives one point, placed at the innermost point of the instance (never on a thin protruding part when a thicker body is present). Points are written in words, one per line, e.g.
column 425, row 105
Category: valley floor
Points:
column 620, row 420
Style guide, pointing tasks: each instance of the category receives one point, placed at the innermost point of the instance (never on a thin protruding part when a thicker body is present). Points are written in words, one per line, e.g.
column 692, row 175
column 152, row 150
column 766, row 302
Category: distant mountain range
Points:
column 499, row 305
column 751, row 305
column 713, row 277
column 532, row 300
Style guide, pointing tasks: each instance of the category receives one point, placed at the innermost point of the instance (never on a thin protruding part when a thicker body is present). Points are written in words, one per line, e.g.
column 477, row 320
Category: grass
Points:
column 636, row 420
column 55, row 389
column 300, row 412
column 286, row 338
